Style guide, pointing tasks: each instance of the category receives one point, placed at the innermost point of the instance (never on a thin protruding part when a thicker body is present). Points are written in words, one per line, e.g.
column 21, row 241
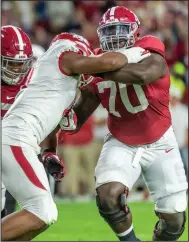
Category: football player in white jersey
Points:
column 16, row 72
column 35, row 114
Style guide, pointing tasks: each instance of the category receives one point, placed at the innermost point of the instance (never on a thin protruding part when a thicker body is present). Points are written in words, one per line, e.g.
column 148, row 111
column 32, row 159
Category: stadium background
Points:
column 42, row 20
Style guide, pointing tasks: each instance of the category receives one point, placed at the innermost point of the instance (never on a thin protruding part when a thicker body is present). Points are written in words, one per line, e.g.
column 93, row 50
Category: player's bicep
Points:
column 155, row 66
column 68, row 65
column 73, row 63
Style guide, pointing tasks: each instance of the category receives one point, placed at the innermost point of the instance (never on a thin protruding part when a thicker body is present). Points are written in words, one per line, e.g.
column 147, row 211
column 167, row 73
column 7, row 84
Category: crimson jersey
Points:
column 9, row 92
column 137, row 114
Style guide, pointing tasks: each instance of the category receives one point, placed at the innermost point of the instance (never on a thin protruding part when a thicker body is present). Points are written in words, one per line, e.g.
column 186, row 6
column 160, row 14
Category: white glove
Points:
column 135, row 54
column 68, row 121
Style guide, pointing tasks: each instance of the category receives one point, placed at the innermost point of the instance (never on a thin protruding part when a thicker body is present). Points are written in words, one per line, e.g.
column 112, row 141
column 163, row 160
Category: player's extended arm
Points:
column 147, row 71
column 73, row 63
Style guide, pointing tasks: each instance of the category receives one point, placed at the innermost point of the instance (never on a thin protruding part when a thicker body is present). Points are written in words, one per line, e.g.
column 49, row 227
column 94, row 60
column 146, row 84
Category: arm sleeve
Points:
column 63, row 48
column 153, row 43
column 98, row 51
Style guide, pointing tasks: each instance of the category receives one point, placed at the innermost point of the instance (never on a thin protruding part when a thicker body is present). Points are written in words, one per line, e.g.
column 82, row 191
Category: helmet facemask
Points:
column 12, row 70
column 114, row 36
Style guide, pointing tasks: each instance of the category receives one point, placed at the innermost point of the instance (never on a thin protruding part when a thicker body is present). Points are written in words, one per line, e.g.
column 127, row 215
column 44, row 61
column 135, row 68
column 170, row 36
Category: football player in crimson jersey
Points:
column 34, row 115
column 16, row 72
column 141, row 138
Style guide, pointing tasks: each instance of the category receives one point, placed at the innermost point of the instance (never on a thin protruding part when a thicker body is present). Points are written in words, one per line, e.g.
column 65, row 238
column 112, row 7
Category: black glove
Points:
column 53, row 165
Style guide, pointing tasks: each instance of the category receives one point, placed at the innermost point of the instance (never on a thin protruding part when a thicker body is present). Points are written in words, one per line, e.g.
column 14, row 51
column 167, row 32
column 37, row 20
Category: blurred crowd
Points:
column 168, row 20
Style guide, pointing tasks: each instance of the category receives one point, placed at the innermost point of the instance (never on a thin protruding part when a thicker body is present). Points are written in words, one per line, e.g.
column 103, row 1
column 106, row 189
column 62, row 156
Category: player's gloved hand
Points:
column 53, row 165
column 135, row 54
column 68, row 121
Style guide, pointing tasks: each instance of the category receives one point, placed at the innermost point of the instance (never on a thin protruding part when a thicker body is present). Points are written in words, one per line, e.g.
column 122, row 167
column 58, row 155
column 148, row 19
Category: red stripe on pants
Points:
column 26, row 167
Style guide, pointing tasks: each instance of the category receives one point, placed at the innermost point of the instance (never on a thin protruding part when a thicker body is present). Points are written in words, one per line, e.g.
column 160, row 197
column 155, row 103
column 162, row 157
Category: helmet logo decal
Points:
column 20, row 41
column 112, row 11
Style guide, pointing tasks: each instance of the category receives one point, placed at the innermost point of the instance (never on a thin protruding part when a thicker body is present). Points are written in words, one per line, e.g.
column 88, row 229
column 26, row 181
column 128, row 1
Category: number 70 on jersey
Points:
column 124, row 97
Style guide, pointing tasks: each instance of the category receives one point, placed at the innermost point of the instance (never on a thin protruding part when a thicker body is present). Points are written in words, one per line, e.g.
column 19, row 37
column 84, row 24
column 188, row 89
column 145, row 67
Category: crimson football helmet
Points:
column 118, row 28
column 16, row 54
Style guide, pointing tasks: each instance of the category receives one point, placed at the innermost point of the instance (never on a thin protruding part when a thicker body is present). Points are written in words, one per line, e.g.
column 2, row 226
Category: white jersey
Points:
column 38, row 108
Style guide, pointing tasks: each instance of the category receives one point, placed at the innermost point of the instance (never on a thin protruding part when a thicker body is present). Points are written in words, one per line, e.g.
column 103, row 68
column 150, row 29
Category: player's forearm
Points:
column 142, row 73
column 77, row 64
column 111, row 61
column 132, row 74
column 50, row 143
column 85, row 106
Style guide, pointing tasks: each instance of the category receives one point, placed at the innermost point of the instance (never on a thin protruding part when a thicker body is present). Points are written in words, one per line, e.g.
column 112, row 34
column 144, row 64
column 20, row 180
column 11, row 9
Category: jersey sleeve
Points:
column 66, row 46
column 8, row 96
column 63, row 48
column 27, row 78
column 98, row 51
column 153, row 43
